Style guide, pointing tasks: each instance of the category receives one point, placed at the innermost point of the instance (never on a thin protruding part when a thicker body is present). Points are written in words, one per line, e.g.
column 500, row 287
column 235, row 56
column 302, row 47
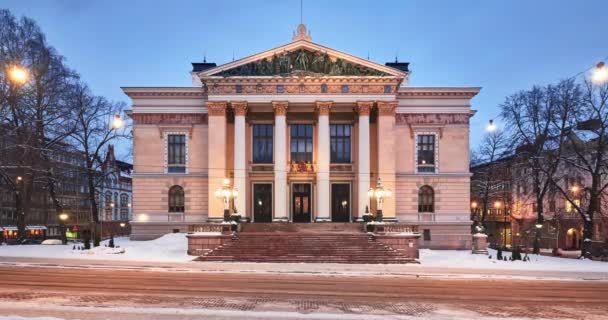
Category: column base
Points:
column 284, row 220
column 215, row 219
column 322, row 219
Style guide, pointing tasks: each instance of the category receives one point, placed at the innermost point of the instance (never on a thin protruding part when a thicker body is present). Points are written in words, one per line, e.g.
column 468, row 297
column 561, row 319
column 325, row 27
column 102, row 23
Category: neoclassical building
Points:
column 302, row 131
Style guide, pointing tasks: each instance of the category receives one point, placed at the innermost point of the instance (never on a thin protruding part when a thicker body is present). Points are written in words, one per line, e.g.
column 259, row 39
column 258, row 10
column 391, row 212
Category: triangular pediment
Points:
column 302, row 58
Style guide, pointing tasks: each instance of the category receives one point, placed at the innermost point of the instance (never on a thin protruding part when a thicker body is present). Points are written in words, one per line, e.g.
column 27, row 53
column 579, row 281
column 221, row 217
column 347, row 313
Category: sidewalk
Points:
column 320, row 269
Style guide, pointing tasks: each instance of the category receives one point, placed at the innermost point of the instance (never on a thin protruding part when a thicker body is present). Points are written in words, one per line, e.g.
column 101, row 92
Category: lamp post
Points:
column 226, row 193
column 63, row 217
column 122, row 228
column 380, row 194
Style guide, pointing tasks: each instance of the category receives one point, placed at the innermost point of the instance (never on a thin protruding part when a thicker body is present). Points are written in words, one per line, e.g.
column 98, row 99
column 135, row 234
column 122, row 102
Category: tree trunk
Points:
column 94, row 210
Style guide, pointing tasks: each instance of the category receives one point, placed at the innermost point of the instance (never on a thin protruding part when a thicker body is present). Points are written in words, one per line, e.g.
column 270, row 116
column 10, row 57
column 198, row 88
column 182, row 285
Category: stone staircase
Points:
column 297, row 243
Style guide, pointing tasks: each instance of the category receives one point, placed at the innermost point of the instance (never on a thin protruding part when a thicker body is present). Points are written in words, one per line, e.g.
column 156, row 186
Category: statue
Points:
column 318, row 63
column 302, row 60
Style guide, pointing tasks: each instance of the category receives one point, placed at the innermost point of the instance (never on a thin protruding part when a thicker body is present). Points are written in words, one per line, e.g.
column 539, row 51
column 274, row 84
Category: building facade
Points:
column 511, row 212
column 115, row 189
column 302, row 131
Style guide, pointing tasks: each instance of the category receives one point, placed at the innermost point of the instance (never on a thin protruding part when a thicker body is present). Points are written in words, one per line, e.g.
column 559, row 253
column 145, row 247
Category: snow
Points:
column 168, row 248
column 22, row 318
column 171, row 248
column 465, row 259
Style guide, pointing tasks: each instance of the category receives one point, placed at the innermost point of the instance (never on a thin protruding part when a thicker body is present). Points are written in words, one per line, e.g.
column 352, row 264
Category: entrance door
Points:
column 262, row 202
column 340, row 202
column 300, row 202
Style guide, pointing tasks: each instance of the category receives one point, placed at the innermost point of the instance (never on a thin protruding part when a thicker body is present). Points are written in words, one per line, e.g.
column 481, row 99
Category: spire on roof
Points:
column 302, row 34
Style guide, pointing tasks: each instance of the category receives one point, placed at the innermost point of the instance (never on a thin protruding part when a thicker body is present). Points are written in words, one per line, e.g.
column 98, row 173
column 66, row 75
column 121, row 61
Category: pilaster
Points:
column 216, row 156
column 386, row 154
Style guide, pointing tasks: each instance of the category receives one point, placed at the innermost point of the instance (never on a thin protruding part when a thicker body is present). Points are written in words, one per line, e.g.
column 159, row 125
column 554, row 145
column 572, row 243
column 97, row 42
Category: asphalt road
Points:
column 51, row 289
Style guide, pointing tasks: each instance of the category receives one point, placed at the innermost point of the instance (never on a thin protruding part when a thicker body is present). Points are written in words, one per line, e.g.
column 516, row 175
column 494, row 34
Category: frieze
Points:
column 170, row 118
column 304, row 88
column 432, row 118
column 301, row 62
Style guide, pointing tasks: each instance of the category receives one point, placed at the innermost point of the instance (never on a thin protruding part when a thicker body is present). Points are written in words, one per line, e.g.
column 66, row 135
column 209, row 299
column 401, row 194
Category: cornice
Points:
column 139, row 92
column 438, row 92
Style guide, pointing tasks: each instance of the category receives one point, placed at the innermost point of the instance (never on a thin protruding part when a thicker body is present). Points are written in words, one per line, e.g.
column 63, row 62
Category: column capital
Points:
column 280, row 107
column 217, row 108
column 323, row 107
column 364, row 107
column 387, row 108
column 240, row 107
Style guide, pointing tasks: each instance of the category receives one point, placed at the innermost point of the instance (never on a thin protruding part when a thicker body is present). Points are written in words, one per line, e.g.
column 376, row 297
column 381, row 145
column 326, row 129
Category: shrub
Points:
column 111, row 245
column 499, row 253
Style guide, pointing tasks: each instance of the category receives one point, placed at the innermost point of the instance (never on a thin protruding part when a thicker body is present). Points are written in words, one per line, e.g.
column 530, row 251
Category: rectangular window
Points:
column 176, row 153
column 262, row 143
column 301, row 142
column 340, row 143
column 570, row 208
column 426, row 153
column 426, row 234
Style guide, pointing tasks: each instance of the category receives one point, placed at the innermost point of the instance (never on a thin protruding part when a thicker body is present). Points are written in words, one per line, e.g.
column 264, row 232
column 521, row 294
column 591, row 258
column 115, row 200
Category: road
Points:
column 63, row 292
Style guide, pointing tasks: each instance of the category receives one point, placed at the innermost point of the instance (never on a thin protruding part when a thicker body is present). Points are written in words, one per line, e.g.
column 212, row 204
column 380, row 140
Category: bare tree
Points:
column 94, row 131
column 585, row 156
column 538, row 119
column 488, row 171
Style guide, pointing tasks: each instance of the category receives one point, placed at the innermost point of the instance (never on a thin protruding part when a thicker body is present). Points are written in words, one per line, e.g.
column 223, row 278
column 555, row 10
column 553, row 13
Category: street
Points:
column 86, row 293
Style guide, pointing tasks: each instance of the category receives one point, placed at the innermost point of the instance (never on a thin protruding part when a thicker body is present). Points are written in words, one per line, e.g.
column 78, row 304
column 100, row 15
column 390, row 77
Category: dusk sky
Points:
column 502, row 46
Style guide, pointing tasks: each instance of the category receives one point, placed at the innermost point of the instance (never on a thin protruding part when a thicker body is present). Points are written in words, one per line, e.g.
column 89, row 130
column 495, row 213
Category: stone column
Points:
column 216, row 157
column 281, row 210
column 363, row 170
column 323, row 158
column 386, row 155
column 240, row 169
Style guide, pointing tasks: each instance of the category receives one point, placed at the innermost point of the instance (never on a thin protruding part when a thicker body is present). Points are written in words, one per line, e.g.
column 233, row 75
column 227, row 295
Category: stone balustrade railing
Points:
column 400, row 228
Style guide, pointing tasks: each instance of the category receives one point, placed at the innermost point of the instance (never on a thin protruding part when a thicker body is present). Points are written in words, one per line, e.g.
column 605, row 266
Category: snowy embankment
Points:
column 465, row 259
column 172, row 248
column 168, row 248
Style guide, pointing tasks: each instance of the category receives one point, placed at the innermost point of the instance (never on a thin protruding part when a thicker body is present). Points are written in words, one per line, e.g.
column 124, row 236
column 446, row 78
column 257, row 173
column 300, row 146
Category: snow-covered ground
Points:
column 168, row 248
column 172, row 248
column 465, row 259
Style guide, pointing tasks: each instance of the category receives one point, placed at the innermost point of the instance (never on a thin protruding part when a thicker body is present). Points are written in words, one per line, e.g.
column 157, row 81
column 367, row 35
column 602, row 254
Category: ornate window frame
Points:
column 166, row 151
column 422, row 133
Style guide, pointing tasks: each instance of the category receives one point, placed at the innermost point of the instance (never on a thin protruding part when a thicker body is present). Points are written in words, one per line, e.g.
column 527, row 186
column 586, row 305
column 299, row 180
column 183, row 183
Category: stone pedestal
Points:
column 480, row 243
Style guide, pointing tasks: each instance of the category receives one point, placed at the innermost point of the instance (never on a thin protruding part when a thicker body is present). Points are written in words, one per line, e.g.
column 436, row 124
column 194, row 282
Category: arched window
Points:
column 426, row 199
column 176, row 199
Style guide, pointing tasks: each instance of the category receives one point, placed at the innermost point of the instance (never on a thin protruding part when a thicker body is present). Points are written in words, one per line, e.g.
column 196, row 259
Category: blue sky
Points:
column 502, row 46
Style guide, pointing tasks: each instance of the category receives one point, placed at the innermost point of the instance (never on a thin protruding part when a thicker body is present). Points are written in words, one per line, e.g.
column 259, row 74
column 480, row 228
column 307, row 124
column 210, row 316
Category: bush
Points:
column 499, row 253
column 111, row 245
column 516, row 254
column 87, row 242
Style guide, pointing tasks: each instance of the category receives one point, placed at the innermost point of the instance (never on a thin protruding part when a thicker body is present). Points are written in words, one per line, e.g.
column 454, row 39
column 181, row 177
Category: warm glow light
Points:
column 63, row 216
column 473, row 204
column 19, row 179
column 112, row 205
column 491, row 126
column 388, row 193
column 370, row 193
column 600, row 73
column 574, row 188
column 218, row 193
column 117, row 123
column 235, row 193
column 497, row 204
column 227, row 182
column 18, row 74
column 142, row 217
column 122, row 224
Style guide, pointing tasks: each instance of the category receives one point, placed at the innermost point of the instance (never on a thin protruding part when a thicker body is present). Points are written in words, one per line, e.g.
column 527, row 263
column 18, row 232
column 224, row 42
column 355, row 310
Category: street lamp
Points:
column 18, row 74
column 63, row 217
column 117, row 122
column 491, row 126
column 122, row 228
column 600, row 73
column 380, row 194
column 225, row 193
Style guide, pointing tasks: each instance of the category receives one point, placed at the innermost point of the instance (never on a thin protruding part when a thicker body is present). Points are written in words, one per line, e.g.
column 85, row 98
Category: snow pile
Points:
column 168, row 248
column 465, row 259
